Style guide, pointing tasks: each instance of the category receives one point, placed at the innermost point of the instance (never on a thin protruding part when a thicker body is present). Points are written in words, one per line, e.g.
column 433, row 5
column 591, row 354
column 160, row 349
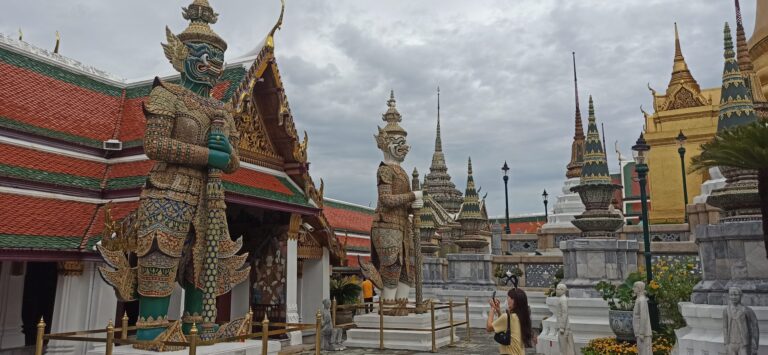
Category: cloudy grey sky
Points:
column 504, row 69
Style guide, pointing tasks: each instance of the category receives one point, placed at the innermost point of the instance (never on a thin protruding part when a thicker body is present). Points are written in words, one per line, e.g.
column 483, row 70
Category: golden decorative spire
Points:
column 761, row 24
column 201, row 15
column 680, row 72
column 746, row 67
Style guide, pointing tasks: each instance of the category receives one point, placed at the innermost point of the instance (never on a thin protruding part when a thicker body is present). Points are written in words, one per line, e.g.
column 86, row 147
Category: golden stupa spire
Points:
column 680, row 72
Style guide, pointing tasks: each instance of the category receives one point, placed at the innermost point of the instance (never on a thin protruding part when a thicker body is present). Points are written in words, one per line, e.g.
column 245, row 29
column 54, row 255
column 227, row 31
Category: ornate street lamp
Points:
column 640, row 153
column 681, row 138
column 505, row 169
column 544, row 197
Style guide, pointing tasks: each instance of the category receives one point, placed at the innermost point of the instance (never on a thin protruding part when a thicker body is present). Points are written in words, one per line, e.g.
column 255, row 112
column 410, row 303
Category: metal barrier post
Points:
column 466, row 314
column 333, row 312
column 40, row 334
column 124, row 327
column 318, row 330
column 450, row 317
column 264, row 334
column 110, row 338
column 193, row 339
column 250, row 320
column 381, row 323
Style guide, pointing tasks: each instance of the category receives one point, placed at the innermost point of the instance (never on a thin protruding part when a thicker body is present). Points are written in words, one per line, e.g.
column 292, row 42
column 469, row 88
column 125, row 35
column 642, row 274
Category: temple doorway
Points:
column 39, row 298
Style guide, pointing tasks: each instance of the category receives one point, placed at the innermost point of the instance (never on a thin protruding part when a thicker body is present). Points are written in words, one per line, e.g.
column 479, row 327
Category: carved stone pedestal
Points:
column 470, row 272
column 366, row 335
column 588, row 318
column 589, row 261
column 704, row 332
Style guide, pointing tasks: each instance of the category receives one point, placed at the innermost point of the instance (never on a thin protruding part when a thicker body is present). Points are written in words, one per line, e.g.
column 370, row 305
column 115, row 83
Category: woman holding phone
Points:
column 512, row 327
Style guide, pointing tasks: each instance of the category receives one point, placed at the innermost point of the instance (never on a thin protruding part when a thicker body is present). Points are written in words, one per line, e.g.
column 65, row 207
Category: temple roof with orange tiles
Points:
column 71, row 141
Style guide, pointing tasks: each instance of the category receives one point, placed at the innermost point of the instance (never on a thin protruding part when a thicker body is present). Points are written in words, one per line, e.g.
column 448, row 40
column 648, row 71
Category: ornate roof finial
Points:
column 438, row 139
column 577, row 147
column 736, row 107
column 58, row 41
column 271, row 36
column 680, row 73
column 595, row 170
column 21, row 35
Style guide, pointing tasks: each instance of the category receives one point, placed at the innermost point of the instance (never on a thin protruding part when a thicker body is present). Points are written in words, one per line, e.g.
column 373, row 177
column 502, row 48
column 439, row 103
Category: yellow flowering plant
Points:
column 672, row 283
column 610, row 346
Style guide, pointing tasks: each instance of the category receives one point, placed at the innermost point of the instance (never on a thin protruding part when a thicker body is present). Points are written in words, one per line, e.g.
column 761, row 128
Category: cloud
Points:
column 504, row 69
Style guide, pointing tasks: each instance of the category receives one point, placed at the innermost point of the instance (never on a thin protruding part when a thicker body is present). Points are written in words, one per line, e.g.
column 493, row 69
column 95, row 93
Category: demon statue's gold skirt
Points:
column 391, row 254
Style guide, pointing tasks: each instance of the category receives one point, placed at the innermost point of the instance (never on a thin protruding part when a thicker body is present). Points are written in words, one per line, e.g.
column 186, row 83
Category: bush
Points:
column 610, row 346
column 620, row 297
column 673, row 282
column 345, row 290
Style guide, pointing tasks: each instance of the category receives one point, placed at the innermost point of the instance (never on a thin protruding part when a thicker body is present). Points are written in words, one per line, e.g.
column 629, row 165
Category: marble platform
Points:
column 704, row 331
column 588, row 318
column 249, row 347
column 366, row 335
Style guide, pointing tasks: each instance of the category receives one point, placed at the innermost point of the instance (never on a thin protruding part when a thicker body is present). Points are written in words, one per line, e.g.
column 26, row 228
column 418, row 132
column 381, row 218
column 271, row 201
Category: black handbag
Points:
column 505, row 337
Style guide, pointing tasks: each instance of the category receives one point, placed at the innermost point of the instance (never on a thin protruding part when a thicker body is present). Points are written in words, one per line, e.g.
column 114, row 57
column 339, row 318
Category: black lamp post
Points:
column 505, row 169
column 544, row 197
column 640, row 153
column 681, row 138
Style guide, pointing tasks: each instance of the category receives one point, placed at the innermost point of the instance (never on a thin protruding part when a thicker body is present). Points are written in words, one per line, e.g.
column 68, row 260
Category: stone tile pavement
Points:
column 481, row 343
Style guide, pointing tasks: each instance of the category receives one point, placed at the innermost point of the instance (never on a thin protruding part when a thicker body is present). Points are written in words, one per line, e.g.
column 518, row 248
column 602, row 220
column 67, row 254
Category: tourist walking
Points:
column 368, row 294
column 512, row 327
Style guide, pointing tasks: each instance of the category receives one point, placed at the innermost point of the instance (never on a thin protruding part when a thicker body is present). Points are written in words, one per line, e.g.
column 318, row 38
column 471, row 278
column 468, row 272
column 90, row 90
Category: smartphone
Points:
column 493, row 297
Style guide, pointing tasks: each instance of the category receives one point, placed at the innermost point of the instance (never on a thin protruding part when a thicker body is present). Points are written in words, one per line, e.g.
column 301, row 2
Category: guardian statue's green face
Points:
column 203, row 64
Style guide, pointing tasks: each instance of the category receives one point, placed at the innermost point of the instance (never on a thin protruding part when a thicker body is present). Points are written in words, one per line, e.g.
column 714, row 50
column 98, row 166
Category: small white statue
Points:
column 740, row 330
column 641, row 321
column 564, row 334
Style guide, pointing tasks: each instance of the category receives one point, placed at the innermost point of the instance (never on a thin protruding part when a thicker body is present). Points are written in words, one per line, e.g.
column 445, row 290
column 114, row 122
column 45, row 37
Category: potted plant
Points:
column 621, row 301
column 345, row 290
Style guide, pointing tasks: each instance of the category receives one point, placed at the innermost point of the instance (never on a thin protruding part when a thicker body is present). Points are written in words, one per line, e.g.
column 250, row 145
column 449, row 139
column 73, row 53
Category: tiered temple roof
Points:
column 438, row 182
column 56, row 176
column 595, row 169
column 735, row 102
column 682, row 91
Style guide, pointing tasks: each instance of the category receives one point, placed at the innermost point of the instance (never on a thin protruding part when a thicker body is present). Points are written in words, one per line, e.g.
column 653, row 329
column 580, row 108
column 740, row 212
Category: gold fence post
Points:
column 40, row 334
column 466, row 315
column 450, row 317
column 432, row 321
column 264, row 334
column 110, row 338
column 193, row 339
column 318, row 330
column 250, row 320
column 333, row 312
column 381, row 323
column 124, row 327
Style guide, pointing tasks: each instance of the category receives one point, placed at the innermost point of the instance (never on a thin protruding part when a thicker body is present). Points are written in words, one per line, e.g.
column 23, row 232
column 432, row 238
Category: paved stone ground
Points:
column 481, row 343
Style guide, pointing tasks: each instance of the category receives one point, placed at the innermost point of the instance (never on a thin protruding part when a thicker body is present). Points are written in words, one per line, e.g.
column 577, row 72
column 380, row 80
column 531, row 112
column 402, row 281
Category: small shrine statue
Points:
column 641, row 321
column 332, row 337
column 391, row 268
column 564, row 334
column 740, row 331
